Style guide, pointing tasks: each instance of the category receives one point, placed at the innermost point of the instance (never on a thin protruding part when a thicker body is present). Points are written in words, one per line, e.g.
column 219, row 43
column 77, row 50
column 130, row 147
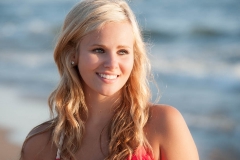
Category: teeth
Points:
column 108, row 76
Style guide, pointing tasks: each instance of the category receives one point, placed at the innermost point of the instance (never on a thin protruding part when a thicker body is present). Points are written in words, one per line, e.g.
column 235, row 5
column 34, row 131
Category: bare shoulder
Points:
column 38, row 144
column 167, row 125
column 161, row 116
column 163, row 111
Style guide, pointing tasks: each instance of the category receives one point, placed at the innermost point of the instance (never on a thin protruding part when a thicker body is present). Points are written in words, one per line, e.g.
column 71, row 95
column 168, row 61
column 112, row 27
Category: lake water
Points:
column 194, row 49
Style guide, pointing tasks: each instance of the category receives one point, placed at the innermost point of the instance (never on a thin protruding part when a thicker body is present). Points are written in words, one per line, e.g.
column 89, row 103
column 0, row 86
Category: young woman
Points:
column 102, row 101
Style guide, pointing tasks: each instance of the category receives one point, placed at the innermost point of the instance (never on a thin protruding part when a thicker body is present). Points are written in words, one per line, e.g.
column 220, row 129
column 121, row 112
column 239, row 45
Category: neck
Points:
column 101, row 108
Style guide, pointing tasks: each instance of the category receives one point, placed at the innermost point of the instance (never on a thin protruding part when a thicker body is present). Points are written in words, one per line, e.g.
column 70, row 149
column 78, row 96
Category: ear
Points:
column 74, row 59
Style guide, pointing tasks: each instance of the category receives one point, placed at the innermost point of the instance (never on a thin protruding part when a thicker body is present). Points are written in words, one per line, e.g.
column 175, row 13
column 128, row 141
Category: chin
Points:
column 110, row 93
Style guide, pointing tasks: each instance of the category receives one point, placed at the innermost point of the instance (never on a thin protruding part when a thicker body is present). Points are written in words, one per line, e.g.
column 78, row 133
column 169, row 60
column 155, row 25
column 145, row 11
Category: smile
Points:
column 107, row 76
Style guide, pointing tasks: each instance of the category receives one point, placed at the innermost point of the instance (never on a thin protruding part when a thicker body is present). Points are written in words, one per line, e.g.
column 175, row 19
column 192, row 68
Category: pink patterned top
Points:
column 140, row 153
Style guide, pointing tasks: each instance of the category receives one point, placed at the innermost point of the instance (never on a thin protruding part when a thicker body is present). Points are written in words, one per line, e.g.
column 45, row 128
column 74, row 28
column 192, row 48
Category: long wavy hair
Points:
column 67, row 101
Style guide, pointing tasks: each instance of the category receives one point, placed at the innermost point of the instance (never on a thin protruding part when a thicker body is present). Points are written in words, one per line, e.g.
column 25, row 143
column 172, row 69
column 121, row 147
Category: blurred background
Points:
column 194, row 47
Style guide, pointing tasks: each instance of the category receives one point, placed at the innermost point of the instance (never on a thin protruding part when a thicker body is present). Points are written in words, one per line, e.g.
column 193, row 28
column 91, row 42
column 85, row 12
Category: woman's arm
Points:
column 173, row 135
column 38, row 145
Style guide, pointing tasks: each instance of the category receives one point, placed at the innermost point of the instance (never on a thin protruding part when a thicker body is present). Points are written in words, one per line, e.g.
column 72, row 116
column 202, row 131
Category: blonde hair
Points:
column 68, row 101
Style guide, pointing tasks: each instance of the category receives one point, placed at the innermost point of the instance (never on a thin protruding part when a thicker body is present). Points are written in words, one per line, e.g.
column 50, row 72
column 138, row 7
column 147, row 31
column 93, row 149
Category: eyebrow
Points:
column 120, row 46
column 123, row 46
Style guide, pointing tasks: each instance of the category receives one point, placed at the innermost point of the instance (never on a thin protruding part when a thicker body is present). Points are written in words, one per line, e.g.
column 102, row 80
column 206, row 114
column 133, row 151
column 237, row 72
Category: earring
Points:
column 72, row 62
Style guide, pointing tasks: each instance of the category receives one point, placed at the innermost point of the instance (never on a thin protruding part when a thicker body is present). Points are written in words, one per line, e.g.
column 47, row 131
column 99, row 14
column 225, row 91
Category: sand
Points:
column 8, row 150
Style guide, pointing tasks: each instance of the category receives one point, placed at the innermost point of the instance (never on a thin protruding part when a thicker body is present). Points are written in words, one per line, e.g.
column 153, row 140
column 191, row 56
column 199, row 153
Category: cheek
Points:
column 87, row 61
column 128, row 65
column 84, row 65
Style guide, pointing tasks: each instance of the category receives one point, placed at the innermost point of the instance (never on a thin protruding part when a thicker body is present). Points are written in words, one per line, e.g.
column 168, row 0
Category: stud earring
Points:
column 72, row 62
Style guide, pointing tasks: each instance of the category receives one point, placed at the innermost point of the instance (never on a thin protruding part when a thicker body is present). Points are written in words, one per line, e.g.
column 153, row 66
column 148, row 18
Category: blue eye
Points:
column 98, row 50
column 122, row 52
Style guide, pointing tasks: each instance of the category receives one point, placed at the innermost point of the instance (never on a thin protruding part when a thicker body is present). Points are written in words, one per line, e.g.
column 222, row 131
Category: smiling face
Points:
column 105, row 58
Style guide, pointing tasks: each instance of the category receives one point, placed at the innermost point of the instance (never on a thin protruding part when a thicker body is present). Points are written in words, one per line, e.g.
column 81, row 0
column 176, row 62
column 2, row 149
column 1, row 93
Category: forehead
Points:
column 111, row 33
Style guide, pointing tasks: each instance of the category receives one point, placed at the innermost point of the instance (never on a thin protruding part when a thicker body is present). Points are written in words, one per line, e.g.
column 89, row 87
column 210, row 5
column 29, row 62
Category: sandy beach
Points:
column 8, row 150
column 17, row 120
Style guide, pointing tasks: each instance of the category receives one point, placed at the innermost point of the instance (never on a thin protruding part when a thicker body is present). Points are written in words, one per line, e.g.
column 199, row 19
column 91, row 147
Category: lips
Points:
column 108, row 76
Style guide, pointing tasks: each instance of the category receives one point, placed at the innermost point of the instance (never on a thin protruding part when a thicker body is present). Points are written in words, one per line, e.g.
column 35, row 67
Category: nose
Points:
column 111, row 61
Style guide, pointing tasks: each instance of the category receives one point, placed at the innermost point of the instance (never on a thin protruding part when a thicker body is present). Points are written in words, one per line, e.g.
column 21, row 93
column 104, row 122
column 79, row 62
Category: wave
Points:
column 217, row 75
column 192, row 34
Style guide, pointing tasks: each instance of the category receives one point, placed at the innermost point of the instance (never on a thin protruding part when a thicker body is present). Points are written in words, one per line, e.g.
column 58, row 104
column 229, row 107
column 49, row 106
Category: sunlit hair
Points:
column 68, row 101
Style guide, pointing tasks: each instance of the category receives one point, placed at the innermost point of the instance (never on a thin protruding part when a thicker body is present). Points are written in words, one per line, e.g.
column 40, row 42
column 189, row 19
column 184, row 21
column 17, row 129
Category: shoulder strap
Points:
column 59, row 149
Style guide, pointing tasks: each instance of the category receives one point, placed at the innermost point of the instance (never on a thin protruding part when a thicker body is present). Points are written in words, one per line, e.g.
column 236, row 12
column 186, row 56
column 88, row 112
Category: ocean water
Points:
column 194, row 47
